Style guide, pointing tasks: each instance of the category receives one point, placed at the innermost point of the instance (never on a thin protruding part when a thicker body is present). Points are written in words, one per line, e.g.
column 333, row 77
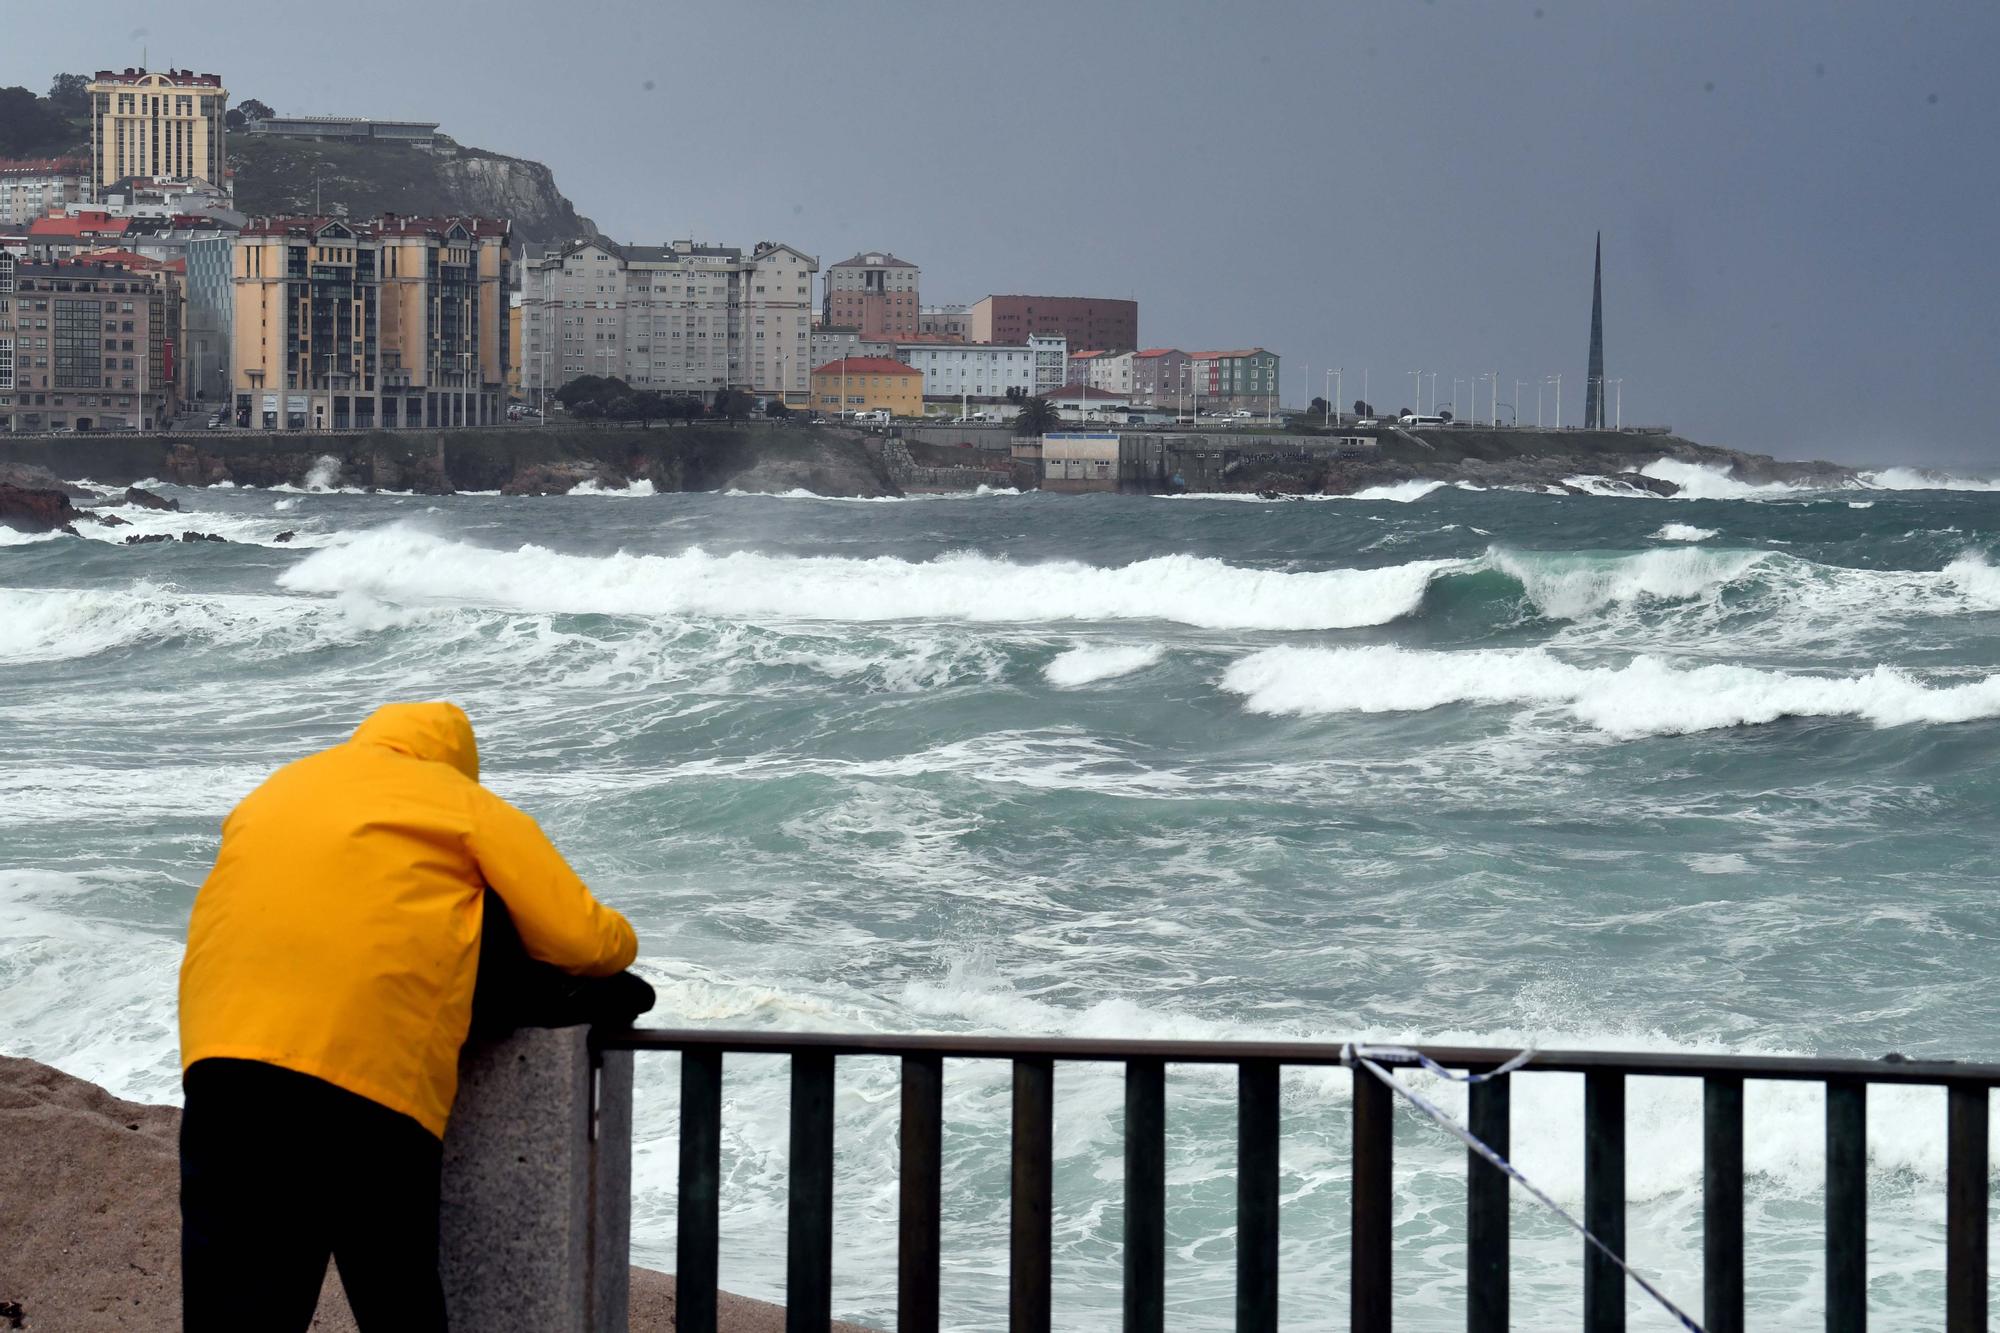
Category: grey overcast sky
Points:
column 1797, row 198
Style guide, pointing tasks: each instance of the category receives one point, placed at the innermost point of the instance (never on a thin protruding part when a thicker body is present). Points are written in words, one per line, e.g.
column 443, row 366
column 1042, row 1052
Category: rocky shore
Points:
column 90, row 1231
column 776, row 458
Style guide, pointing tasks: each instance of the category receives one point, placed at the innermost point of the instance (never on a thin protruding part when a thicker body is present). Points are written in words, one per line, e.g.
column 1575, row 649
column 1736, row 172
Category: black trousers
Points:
column 281, row 1171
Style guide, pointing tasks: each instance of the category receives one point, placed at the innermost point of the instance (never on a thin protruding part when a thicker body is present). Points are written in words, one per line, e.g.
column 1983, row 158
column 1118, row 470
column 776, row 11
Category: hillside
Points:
column 278, row 176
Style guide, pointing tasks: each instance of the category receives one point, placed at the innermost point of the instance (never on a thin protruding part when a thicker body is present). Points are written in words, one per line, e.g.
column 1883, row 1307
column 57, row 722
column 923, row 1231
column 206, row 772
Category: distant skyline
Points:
column 1796, row 200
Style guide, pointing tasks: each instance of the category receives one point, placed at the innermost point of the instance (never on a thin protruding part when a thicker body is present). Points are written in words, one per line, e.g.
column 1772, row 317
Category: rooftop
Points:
column 179, row 78
column 1229, row 354
column 77, row 224
column 874, row 259
column 44, row 166
column 1161, row 351
column 866, row 365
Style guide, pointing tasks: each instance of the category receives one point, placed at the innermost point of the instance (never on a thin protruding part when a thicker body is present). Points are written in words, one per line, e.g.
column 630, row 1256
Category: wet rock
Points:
column 143, row 538
column 35, row 510
column 147, row 500
column 30, row 476
column 110, row 521
column 562, row 478
column 285, row 536
column 202, row 537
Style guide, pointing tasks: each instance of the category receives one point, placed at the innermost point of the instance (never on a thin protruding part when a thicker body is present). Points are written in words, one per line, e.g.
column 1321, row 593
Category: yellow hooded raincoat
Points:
column 338, row 934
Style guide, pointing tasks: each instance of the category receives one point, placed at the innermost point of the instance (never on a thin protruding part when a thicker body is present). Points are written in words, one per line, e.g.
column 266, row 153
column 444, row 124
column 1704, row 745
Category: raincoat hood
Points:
column 439, row 732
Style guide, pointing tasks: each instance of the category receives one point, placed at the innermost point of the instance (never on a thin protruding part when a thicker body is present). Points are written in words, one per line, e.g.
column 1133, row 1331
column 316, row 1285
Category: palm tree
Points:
column 1038, row 417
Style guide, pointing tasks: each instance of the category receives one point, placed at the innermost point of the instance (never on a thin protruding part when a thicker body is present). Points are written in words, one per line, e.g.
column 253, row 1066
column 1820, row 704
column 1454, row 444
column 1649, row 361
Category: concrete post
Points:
column 537, row 1205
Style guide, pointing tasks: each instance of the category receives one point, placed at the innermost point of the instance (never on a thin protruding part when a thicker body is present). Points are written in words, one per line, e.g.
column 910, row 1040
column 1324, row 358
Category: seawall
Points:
column 531, row 460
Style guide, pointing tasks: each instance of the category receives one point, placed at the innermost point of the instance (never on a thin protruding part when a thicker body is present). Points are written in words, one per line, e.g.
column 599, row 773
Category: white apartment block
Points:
column 680, row 318
column 30, row 189
column 987, row 370
column 1111, row 372
column 973, row 370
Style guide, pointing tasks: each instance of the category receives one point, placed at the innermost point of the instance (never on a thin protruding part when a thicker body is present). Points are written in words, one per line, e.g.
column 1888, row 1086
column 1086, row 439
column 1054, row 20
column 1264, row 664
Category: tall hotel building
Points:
column 146, row 123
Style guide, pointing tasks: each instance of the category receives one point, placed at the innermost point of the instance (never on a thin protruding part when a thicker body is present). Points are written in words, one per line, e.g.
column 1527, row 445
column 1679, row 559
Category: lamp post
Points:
column 1558, row 379
column 1539, row 386
column 1418, row 376
column 1618, row 400
column 1493, row 399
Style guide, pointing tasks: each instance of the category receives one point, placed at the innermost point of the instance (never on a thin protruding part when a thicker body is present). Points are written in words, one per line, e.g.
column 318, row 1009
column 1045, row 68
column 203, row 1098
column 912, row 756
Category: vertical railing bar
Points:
column 1145, row 1195
column 1846, row 1205
column 1371, row 1220
column 1604, row 1200
column 1257, row 1196
column 1722, row 1203
column 1489, row 1118
column 809, row 1247
column 917, row 1228
column 696, row 1220
column 1965, row 1207
column 1028, row 1301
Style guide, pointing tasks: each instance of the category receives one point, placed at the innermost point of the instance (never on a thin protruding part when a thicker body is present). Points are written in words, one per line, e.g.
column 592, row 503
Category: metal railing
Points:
column 809, row 1255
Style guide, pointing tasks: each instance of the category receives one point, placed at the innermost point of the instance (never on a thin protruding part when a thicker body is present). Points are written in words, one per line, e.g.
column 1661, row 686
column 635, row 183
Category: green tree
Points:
column 253, row 109
column 30, row 127
column 684, row 408
column 776, row 408
column 69, row 95
column 1038, row 417
column 732, row 404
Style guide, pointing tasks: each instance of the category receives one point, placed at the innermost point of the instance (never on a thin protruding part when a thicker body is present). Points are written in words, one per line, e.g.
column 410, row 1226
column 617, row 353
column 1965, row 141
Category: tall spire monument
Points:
column 1593, row 382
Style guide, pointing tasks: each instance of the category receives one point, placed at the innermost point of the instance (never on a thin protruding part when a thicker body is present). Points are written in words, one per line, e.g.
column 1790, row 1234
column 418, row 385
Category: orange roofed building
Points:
column 868, row 384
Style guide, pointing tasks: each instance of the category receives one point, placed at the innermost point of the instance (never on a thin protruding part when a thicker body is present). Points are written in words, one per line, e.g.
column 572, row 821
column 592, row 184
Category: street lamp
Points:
column 1418, row 376
column 1618, row 411
column 1558, row 379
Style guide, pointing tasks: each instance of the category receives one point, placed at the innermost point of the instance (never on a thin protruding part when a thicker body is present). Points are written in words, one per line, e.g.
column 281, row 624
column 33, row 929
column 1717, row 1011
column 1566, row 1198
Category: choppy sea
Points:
column 1486, row 767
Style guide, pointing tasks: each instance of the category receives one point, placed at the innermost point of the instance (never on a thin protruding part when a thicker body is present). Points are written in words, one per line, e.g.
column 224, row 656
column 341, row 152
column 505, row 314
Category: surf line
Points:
column 1366, row 1057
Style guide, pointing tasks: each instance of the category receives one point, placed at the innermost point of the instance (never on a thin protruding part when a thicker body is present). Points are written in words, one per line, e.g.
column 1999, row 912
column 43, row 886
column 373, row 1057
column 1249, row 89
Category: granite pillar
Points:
column 537, row 1201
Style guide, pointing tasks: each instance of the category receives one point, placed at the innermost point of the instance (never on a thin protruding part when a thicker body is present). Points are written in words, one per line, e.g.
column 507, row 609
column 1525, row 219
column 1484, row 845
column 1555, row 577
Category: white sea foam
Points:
column 1698, row 481
column 324, row 474
column 635, row 490
column 1646, row 696
column 1570, row 586
column 1924, row 479
column 1089, row 663
column 1402, row 492
column 403, row 565
column 1684, row 532
column 1613, row 487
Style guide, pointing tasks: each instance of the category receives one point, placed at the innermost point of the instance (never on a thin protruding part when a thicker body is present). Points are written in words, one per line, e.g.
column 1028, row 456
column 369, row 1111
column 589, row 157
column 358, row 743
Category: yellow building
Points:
column 395, row 324
column 514, row 346
column 146, row 123
column 867, row 384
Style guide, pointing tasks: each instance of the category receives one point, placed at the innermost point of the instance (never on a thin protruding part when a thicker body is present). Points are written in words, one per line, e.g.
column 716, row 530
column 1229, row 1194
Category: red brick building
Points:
column 874, row 292
column 1087, row 321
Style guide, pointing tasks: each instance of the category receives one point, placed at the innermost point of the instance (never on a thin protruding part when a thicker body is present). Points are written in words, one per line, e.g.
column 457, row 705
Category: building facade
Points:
column 1159, row 377
column 945, row 321
column 874, row 292
column 392, row 324
column 84, row 345
column 1110, row 371
column 867, row 384
column 415, row 133
column 681, row 318
column 30, row 189
column 157, row 124
column 211, row 309
column 971, row 370
column 1082, row 321
column 1051, row 352
column 1239, row 379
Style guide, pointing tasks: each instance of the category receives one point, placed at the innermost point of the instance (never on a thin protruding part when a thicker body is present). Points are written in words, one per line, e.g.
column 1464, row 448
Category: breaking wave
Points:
column 1646, row 696
column 1684, row 532
column 1087, row 664
column 1922, row 479
column 635, row 490
column 1700, row 482
column 403, row 565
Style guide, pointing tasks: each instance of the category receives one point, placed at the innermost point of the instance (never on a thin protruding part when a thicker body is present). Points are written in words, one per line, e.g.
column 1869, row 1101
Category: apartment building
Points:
column 867, row 384
column 84, row 345
column 396, row 323
column 150, row 123
column 1082, row 321
column 1243, row 378
column 1160, row 377
column 681, row 318
column 28, row 189
column 1110, row 371
column 971, row 370
column 945, row 321
column 874, row 292
column 210, row 310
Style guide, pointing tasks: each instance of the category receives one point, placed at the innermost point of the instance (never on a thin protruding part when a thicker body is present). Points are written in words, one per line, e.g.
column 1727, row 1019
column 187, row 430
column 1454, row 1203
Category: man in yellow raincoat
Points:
column 327, row 987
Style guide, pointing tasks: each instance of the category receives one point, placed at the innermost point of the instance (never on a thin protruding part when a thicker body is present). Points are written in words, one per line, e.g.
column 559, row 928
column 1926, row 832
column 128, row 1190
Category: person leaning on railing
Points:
column 362, row 896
